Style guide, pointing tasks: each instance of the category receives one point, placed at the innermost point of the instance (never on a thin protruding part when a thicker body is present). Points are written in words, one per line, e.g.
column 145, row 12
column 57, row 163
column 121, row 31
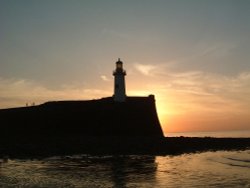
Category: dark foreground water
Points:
column 208, row 169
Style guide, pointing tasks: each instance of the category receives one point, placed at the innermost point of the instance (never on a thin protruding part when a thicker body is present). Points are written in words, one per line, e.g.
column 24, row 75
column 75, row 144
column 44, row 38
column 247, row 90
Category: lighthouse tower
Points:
column 119, row 87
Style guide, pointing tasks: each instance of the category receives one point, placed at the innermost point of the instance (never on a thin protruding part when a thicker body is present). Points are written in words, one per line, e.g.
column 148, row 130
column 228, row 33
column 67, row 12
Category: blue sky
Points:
column 193, row 54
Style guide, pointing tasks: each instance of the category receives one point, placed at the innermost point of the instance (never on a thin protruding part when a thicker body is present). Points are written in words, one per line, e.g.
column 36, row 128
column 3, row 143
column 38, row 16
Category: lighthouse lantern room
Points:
column 119, row 84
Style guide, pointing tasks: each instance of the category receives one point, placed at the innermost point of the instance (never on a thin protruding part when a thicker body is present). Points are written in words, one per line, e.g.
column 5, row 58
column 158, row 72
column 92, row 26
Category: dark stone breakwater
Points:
column 98, row 127
column 137, row 117
column 51, row 146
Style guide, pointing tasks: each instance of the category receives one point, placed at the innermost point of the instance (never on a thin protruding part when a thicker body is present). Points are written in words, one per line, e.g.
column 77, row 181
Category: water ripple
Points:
column 188, row 170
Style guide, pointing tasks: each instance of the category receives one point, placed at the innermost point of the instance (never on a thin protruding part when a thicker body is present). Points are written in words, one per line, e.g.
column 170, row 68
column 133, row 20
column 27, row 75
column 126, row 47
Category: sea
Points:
column 217, row 134
column 205, row 169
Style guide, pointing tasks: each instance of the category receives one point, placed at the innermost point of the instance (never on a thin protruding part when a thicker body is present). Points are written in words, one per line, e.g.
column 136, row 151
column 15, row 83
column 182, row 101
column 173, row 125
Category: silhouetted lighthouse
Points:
column 119, row 87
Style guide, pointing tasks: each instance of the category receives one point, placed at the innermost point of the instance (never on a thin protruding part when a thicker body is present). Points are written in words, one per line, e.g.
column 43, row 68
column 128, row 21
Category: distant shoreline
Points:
column 98, row 127
column 215, row 134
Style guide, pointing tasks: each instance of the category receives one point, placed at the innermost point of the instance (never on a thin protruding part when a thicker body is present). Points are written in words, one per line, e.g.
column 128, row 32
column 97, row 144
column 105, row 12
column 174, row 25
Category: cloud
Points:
column 146, row 70
column 196, row 100
column 18, row 92
column 214, row 48
column 212, row 92
column 218, row 50
column 203, row 97
column 198, row 92
column 105, row 78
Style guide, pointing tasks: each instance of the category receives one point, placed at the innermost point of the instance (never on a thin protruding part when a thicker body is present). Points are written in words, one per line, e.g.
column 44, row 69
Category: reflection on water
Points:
column 80, row 171
column 209, row 169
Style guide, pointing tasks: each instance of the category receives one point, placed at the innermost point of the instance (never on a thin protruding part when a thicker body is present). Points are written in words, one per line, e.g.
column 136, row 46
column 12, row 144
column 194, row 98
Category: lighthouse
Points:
column 119, row 82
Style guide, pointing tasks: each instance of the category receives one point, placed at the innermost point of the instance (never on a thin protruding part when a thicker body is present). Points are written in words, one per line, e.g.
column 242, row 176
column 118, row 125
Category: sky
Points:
column 193, row 55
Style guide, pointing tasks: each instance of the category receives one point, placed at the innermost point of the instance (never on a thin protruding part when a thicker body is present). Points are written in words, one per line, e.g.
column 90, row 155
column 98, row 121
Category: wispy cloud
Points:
column 18, row 92
column 214, row 92
column 201, row 92
column 105, row 78
column 217, row 49
column 198, row 95
column 147, row 70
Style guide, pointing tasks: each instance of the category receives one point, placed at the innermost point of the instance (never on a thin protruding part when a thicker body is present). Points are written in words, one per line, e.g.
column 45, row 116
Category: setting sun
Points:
column 195, row 61
column 125, row 93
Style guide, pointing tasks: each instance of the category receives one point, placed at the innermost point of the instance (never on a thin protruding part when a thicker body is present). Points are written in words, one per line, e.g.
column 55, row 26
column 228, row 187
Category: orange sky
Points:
column 190, row 101
column 196, row 101
column 192, row 55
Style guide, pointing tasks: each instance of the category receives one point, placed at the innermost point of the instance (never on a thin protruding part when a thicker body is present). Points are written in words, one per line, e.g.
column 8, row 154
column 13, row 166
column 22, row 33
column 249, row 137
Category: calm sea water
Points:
column 208, row 169
column 217, row 134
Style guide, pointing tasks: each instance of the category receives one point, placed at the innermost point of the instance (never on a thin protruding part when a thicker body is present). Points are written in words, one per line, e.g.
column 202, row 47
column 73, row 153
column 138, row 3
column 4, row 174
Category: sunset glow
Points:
column 192, row 55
